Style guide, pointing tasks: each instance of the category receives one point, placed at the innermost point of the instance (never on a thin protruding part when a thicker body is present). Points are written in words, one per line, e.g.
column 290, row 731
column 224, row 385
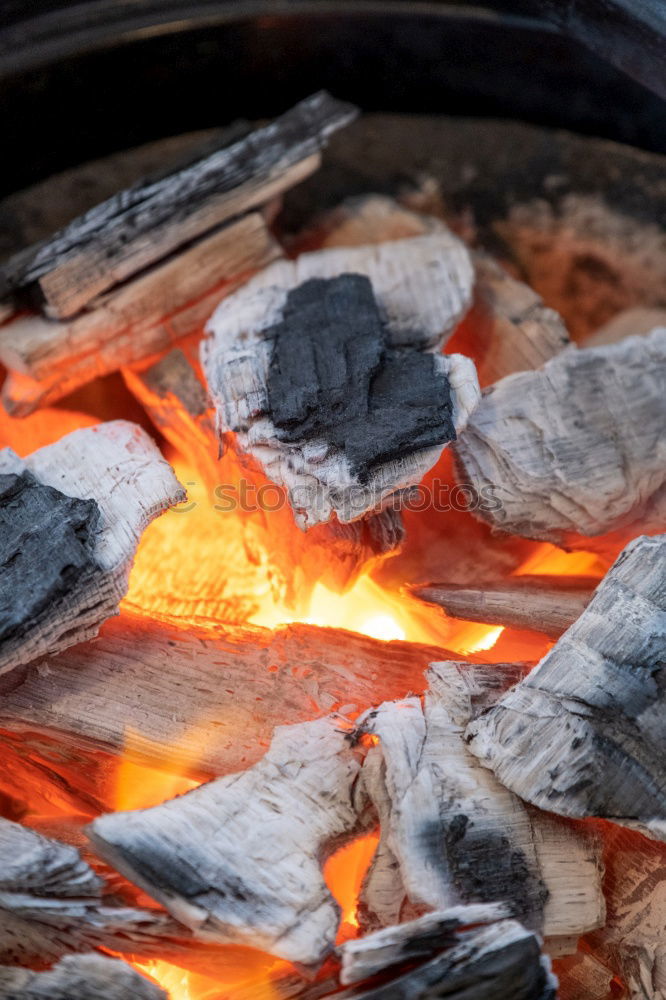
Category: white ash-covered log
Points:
column 72, row 514
column 508, row 328
column 170, row 685
column 52, row 903
column 334, row 554
column 575, row 448
column 48, row 360
column 326, row 370
column 366, row 956
column 548, row 604
column 584, row 734
column 79, row 977
column 449, row 835
column 501, row 961
column 239, row 859
column 150, row 220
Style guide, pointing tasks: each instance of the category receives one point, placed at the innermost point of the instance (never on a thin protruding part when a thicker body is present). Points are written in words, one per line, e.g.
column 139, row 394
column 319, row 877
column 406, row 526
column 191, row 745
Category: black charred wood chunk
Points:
column 332, row 376
column 47, row 542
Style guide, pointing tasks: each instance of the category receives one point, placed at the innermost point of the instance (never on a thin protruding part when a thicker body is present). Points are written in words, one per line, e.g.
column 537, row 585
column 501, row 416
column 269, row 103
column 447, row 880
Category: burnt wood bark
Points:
column 576, row 447
column 168, row 685
column 47, row 359
column 584, row 733
column 150, row 220
column 238, row 859
column 421, row 287
column 366, row 956
column 548, row 604
column 79, row 977
column 499, row 962
column 81, row 505
column 450, row 836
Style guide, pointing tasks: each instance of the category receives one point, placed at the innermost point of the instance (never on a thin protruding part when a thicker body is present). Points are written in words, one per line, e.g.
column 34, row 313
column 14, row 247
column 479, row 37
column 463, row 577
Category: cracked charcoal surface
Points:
column 46, row 548
column 332, row 376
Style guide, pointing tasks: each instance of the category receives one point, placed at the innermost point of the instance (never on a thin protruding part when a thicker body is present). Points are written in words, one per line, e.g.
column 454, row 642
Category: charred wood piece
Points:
column 345, row 438
column 545, row 604
column 366, row 956
column 584, row 733
column 576, row 447
column 82, row 701
column 71, row 515
column 47, row 359
column 79, row 977
column 498, row 962
column 150, row 220
column 450, row 836
column 238, row 860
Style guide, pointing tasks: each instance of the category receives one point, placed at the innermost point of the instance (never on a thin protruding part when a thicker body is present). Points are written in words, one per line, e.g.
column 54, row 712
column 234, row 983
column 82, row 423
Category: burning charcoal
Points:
column 450, row 835
column 583, row 977
column 47, row 359
column 324, row 369
column 79, row 977
column 575, row 447
column 584, row 734
column 236, row 685
column 334, row 554
column 548, row 604
column 498, row 962
column 51, row 903
column 71, row 516
column 147, row 222
column 238, row 860
column 508, row 328
column 371, row 954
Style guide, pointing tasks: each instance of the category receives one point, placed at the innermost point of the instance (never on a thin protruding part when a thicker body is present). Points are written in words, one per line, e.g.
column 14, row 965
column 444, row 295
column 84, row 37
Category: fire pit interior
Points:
column 332, row 582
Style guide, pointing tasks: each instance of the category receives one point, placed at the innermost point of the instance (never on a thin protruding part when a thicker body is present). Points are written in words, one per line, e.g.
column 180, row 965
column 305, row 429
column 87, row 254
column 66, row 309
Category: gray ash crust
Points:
column 47, row 543
column 333, row 376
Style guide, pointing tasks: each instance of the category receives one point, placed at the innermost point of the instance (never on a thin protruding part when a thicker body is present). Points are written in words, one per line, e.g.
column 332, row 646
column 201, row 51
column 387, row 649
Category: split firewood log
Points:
column 233, row 684
column 499, row 962
column 310, row 362
column 334, row 554
column 48, row 359
column 72, row 514
column 548, row 604
column 632, row 322
column 239, row 859
column 449, row 835
column 366, row 956
column 148, row 221
column 508, row 328
column 584, row 734
column 576, row 447
column 79, row 977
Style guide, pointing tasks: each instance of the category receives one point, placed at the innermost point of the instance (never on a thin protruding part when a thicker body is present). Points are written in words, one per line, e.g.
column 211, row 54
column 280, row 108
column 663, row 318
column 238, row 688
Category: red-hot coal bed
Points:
column 332, row 588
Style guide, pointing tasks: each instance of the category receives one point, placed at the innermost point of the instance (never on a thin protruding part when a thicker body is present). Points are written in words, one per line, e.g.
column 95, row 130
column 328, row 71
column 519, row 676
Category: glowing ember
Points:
column 344, row 873
column 486, row 640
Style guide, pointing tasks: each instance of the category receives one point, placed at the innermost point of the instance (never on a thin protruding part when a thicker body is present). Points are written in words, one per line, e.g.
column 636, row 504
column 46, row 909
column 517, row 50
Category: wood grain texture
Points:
column 148, row 221
column 48, row 359
column 548, row 604
column 584, row 733
column 451, row 836
column 239, row 859
column 575, row 447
